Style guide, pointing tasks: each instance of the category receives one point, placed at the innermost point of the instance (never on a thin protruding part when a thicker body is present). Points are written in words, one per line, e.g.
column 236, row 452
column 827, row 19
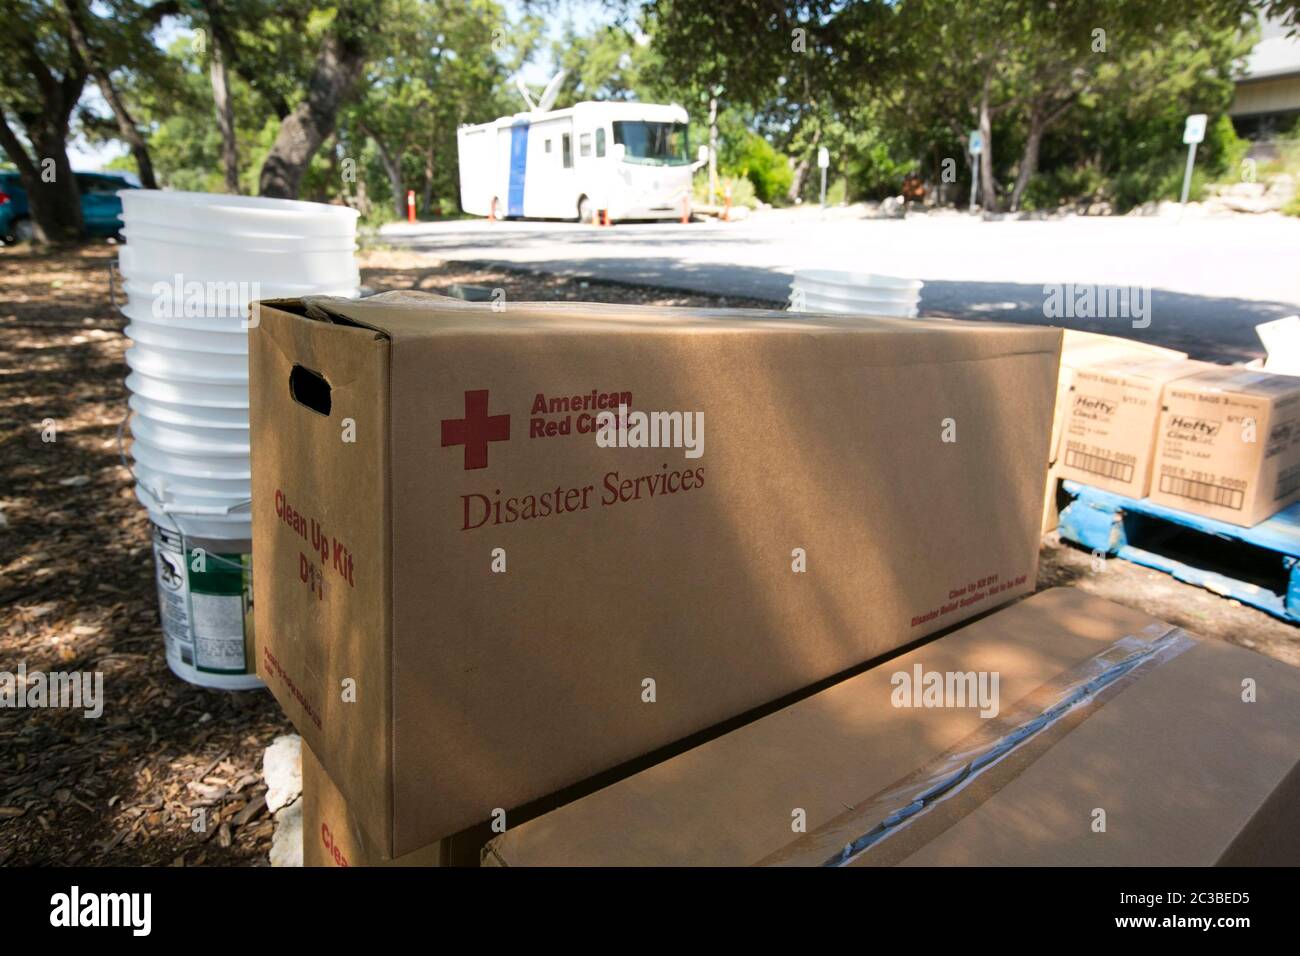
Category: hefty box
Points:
column 1110, row 421
column 1064, row 730
column 500, row 552
column 1228, row 446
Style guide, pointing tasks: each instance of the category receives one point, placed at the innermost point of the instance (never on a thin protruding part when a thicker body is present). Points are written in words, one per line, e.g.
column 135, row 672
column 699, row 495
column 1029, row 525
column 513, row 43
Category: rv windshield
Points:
column 653, row 144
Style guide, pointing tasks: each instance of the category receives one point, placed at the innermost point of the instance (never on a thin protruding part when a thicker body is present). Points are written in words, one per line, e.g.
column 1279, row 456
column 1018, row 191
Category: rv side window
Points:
column 600, row 142
column 584, row 144
column 548, row 145
column 566, row 148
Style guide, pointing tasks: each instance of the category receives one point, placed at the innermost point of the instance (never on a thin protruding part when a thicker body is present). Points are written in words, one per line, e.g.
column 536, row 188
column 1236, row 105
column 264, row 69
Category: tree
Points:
column 41, row 79
column 338, row 66
column 122, row 39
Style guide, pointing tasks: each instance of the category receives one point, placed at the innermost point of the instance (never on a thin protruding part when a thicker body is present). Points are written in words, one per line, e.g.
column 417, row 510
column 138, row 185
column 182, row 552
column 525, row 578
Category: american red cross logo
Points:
column 475, row 430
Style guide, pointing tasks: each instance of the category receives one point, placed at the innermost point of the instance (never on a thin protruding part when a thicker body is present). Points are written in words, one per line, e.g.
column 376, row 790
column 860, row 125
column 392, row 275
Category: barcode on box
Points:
column 1202, row 491
column 1119, row 470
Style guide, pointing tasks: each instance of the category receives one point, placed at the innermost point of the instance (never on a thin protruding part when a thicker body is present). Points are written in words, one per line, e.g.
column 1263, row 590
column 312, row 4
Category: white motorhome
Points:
column 631, row 159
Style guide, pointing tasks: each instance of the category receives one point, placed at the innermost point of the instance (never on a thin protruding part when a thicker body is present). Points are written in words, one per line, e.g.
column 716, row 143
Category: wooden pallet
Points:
column 1256, row 566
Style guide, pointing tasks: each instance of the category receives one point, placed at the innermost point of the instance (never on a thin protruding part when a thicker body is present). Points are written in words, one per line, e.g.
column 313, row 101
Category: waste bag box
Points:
column 1064, row 730
column 1109, row 429
column 1228, row 446
column 479, row 582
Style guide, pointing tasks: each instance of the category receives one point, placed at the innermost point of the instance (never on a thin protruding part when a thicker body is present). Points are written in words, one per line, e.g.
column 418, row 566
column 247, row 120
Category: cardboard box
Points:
column 1229, row 445
column 332, row 836
column 1079, row 349
column 1159, row 760
column 465, row 603
column 1110, row 425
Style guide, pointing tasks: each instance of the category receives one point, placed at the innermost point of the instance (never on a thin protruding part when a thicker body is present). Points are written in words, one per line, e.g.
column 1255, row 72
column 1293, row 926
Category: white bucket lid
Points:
column 192, row 466
column 230, row 491
column 202, row 235
column 233, row 242
column 178, row 365
column 232, row 520
column 194, row 340
column 201, row 394
column 865, row 282
column 177, row 413
column 191, row 439
column 142, row 283
column 219, row 209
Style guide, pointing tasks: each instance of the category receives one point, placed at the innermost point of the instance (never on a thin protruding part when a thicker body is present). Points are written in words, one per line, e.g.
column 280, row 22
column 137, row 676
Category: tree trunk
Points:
column 125, row 122
column 428, row 178
column 988, row 187
column 337, row 69
column 393, row 166
column 1029, row 159
column 50, row 184
column 221, row 98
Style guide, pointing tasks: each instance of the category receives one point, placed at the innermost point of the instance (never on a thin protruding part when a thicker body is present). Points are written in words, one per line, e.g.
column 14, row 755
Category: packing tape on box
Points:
column 902, row 818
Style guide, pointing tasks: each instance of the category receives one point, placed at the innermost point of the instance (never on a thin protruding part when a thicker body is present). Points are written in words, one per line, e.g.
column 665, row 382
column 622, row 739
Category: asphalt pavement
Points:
column 1209, row 280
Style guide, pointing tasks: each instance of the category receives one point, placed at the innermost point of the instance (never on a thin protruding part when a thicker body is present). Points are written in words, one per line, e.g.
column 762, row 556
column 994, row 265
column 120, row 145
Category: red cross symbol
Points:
column 475, row 430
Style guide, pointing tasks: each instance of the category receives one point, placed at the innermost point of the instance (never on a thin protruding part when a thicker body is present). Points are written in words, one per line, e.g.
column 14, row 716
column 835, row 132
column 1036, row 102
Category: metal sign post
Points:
column 1193, row 133
column 974, row 147
column 823, row 162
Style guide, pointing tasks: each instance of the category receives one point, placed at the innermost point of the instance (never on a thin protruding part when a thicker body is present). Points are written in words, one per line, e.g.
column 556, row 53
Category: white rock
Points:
column 286, row 843
column 282, row 770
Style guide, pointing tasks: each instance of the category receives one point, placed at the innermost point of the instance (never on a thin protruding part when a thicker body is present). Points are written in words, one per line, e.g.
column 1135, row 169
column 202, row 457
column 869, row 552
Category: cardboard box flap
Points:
column 410, row 314
column 1242, row 381
column 1149, row 725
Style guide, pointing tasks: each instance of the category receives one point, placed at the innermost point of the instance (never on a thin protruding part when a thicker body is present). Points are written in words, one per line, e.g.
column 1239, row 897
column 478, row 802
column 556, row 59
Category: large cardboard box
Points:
column 1110, row 422
column 465, row 603
column 1079, row 349
column 1228, row 446
column 1118, row 740
column 332, row 835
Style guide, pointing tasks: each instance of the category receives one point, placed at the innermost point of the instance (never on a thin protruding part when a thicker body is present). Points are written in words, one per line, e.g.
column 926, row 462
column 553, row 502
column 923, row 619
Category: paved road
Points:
column 1211, row 280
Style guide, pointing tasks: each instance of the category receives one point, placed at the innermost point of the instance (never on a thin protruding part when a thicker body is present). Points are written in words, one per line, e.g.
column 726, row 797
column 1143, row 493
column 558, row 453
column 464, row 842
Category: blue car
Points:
column 100, row 206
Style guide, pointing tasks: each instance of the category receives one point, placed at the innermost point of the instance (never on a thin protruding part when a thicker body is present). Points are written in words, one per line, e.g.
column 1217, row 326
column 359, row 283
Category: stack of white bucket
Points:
column 191, row 265
column 829, row 290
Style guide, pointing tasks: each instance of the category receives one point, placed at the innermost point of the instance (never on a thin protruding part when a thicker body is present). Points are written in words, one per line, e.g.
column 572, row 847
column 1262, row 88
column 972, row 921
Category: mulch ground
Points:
column 77, row 588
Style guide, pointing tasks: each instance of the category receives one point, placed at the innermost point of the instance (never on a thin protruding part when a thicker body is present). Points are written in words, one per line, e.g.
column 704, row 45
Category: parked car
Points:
column 100, row 206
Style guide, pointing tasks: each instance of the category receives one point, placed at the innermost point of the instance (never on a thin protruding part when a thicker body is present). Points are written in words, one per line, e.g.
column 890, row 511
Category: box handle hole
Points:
column 310, row 390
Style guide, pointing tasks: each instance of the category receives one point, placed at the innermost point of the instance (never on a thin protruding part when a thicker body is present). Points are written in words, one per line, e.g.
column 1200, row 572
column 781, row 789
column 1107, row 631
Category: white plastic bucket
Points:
column 169, row 463
column 200, row 492
column 174, row 413
column 832, row 290
column 184, row 392
column 266, row 267
column 189, row 340
column 194, row 367
column 191, row 439
column 220, row 212
column 205, row 600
